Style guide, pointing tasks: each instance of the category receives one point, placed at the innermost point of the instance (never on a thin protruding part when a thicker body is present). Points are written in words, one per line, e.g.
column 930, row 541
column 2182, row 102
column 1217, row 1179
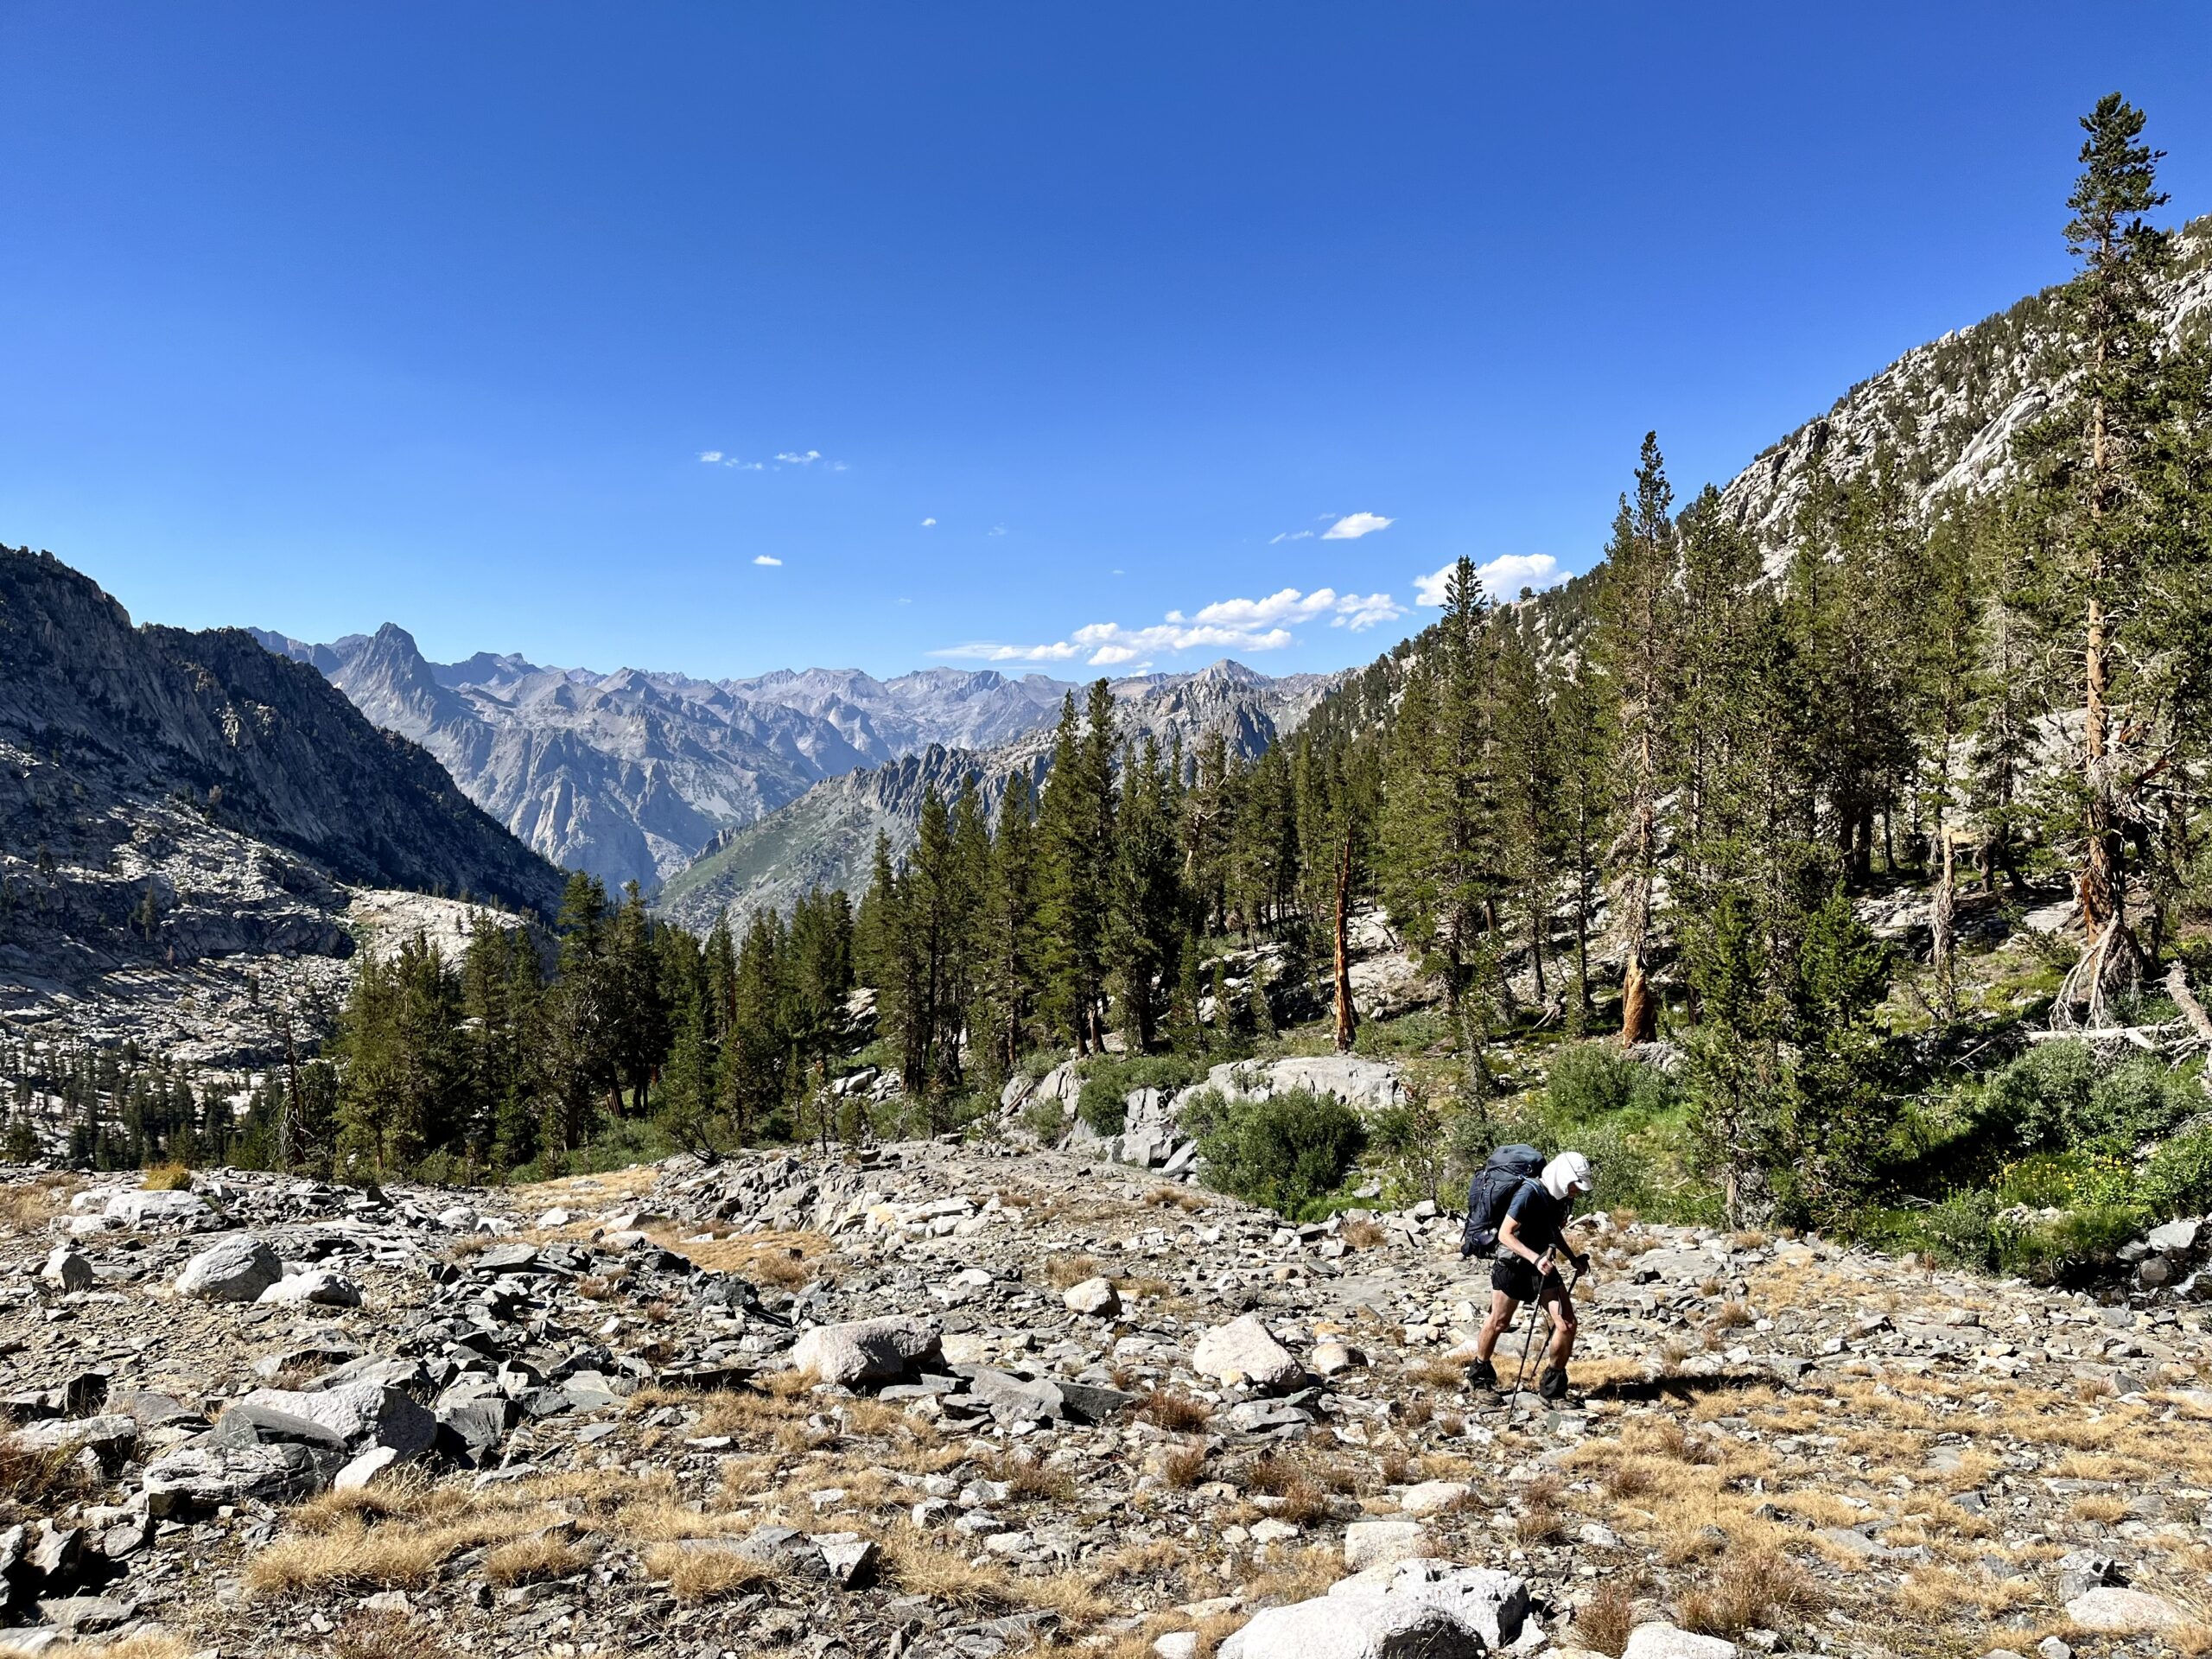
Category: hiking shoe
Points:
column 1481, row 1374
column 1553, row 1384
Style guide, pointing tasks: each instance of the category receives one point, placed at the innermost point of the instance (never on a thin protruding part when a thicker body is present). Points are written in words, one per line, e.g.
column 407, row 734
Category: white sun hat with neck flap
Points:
column 1566, row 1175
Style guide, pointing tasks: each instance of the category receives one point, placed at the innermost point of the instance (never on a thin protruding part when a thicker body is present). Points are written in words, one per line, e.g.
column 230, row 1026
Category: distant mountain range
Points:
column 827, row 837
column 632, row 775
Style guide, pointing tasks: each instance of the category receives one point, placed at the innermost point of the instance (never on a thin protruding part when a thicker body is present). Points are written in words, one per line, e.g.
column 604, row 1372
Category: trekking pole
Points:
column 1535, row 1304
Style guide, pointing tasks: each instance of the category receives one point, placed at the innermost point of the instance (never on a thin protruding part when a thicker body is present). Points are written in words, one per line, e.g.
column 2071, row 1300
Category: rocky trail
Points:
column 939, row 1401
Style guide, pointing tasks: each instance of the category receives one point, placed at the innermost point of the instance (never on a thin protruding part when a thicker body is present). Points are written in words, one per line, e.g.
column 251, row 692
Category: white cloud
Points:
column 928, row 524
column 1240, row 624
column 1503, row 577
column 784, row 458
column 1291, row 535
column 1359, row 614
column 984, row 650
column 1353, row 525
column 998, row 529
column 763, row 559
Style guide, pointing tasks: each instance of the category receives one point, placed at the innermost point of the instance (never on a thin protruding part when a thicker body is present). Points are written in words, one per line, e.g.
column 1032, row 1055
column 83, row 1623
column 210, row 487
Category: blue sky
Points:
column 1081, row 328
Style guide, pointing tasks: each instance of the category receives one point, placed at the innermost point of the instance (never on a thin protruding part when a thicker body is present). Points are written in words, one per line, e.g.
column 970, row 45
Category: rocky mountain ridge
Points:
column 172, row 800
column 1949, row 411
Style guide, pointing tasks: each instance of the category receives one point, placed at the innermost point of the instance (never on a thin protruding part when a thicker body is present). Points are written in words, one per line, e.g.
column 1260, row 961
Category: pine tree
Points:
column 1636, row 642
column 1146, row 923
column 2096, row 446
column 1005, row 941
column 1075, row 839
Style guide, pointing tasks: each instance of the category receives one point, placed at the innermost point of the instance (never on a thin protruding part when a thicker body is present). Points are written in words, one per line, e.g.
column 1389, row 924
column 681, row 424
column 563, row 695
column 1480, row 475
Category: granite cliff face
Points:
column 171, row 799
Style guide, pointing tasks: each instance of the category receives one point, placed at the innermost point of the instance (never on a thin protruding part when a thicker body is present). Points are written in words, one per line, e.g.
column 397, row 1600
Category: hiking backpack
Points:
column 1490, row 1194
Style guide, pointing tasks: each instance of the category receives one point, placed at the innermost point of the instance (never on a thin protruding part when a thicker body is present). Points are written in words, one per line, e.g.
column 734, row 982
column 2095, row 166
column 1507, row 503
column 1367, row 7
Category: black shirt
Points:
column 1538, row 1218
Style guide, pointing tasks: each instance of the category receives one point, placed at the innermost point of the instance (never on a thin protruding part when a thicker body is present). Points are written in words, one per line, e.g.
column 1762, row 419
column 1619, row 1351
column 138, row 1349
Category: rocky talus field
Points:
column 934, row 1401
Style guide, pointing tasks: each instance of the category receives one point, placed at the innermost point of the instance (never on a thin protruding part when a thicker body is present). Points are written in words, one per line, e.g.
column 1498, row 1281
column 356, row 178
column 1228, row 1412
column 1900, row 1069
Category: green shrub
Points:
column 1591, row 1081
column 1288, row 1152
column 2179, row 1180
column 2080, row 1245
column 1962, row 1229
column 2043, row 1093
column 1046, row 1119
column 1109, row 1080
column 2065, row 1180
column 2139, row 1100
column 1103, row 1104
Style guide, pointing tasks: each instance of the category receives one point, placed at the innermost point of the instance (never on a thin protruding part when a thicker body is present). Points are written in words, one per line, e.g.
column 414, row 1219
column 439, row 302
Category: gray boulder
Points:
column 1413, row 1610
column 322, row 1287
column 1243, row 1351
column 235, row 1269
column 867, row 1350
column 1094, row 1296
column 362, row 1414
column 110, row 1437
column 140, row 1209
column 203, row 1476
column 66, row 1270
column 2111, row 1611
column 2175, row 1238
column 1658, row 1641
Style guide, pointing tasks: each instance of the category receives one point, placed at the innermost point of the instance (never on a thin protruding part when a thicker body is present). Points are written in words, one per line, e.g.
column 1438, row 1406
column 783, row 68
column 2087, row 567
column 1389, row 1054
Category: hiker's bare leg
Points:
column 1561, row 1306
column 1503, row 1307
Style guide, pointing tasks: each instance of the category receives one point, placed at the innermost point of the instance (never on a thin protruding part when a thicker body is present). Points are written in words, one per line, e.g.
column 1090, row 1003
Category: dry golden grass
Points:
column 386, row 1636
column 32, row 1480
column 28, row 1208
column 926, row 1565
column 1603, row 1625
column 694, row 1574
column 348, row 1554
column 543, row 1555
column 1540, row 1520
column 1607, row 1372
column 1182, row 1467
column 783, row 1260
column 1435, row 1371
column 1364, row 1236
column 1937, row 1595
column 2103, row 1509
column 166, row 1178
column 1750, row 1590
column 1063, row 1271
column 1145, row 1288
column 1034, row 1481
column 147, row 1644
column 1731, row 1316
column 1298, row 1577
column 1177, row 1198
column 1177, row 1413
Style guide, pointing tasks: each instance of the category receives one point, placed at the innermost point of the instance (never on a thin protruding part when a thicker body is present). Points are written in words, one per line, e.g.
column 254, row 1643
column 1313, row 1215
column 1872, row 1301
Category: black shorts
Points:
column 1517, row 1278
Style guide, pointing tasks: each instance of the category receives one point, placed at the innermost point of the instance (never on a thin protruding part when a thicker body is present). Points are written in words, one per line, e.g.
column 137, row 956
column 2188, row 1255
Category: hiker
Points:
column 1534, row 1228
